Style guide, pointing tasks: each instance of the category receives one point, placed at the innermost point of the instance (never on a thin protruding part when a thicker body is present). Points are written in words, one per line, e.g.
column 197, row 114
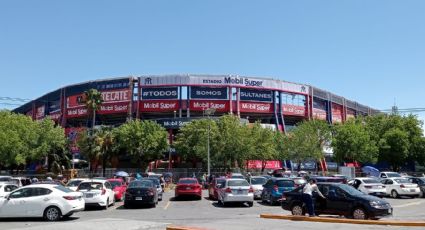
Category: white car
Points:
column 389, row 174
column 368, row 185
column 397, row 187
column 6, row 188
column 41, row 200
column 257, row 183
column 236, row 191
column 73, row 183
column 97, row 192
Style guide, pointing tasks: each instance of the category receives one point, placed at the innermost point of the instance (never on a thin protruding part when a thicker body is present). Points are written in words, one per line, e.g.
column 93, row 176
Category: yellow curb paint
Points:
column 183, row 228
column 344, row 221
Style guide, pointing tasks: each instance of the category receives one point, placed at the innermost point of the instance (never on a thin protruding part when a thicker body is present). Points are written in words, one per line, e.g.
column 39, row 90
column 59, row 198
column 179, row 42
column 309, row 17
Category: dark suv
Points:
column 341, row 199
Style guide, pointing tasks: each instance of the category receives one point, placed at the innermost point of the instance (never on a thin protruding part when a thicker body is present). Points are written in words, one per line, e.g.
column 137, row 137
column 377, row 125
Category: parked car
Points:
column 274, row 189
column 21, row 181
column 341, row 199
column 6, row 188
column 324, row 179
column 141, row 192
column 5, row 178
column 257, row 183
column 119, row 187
column 214, row 186
column 188, row 187
column 43, row 200
column 237, row 176
column 236, row 191
column 73, row 183
column 399, row 186
column 389, row 174
column 158, row 186
column 97, row 193
column 420, row 181
column 369, row 186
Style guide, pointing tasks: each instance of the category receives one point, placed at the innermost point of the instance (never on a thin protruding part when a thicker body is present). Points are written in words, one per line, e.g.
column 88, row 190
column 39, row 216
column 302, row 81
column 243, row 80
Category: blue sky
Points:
column 366, row 50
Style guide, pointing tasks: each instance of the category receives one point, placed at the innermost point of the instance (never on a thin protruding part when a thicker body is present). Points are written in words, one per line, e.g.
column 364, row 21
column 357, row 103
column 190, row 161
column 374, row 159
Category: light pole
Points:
column 208, row 112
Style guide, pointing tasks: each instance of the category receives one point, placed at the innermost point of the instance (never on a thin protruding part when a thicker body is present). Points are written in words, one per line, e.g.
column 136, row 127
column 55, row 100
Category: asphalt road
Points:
column 204, row 213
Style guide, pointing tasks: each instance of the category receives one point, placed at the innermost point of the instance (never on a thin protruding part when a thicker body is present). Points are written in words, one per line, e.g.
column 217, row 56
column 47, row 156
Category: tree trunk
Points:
column 103, row 165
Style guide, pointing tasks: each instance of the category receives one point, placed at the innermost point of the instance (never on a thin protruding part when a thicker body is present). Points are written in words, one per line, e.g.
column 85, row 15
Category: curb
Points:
column 343, row 221
column 171, row 227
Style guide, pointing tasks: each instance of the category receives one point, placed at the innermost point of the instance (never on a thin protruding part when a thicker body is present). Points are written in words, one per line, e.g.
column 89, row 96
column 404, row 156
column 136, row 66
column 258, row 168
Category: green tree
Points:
column 352, row 142
column 394, row 147
column 263, row 145
column 93, row 101
column 89, row 148
column 144, row 141
column 306, row 141
column 105, row 140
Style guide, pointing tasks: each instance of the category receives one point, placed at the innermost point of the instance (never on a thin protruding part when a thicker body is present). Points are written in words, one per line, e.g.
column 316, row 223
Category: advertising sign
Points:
column 256, row 95
column 336, row 113
column 223, row 81
column 159, row 105
column 160, row 93
column 293, row 110
column 201, row 105
column 319, row 114
column 256, row 107
column 40, row 112
column 257, row 164
column 72, row 135
column 208, row 93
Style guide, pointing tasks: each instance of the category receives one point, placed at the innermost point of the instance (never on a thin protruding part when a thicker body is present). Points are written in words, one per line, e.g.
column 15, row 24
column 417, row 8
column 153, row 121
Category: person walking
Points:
column 307, row 196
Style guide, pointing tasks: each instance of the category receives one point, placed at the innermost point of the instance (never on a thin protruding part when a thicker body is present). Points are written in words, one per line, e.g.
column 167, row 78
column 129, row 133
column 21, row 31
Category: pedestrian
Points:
column 162, row 182
column 307, row 196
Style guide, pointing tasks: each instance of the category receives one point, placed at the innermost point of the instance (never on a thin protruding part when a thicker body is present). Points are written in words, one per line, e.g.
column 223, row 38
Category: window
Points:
column 258, row 180
column 188, row 181
column 401, row 181
column 40, row 191
column 63, row 189
column 21, row 193
column 108, row 185
column 90, row 186
column 141, row 184
column 10, row 188
column 285, row 183
column 74, row 183
column 115, row 184
column 371, row 181
column 293, row 99
column 237, row 183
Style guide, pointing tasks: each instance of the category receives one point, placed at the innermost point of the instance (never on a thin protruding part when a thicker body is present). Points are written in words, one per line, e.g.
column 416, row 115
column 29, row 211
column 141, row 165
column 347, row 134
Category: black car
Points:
column 420, row 181
column 323, row 179
column 157, row 184
column 141, row 192
column 341, row 199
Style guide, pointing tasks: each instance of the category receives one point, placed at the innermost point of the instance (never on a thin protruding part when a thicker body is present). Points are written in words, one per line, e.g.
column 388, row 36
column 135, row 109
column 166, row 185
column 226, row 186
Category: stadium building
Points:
column 173, row 100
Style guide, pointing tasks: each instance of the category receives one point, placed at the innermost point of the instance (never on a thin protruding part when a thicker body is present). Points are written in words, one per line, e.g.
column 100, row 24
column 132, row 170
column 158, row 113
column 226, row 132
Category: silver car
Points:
column 236, row 191
column 257, row 183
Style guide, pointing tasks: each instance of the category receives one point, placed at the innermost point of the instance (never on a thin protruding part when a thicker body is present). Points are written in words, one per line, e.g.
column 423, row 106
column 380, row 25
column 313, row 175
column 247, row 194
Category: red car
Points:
column 119, row 187
column 188, row 187
column 212, row 189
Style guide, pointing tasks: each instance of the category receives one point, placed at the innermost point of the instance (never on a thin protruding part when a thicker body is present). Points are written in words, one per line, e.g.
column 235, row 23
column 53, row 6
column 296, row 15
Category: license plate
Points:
column 188, row 188
column 89, row 195
column 240, row 192
column 139, row 198
column 412, row 190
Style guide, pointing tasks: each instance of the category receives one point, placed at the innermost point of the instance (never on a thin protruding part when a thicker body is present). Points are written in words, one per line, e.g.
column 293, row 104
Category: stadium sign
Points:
column 202, row 105
column 255, row 107
column 159, row 93
column 159, row 105
column 197, row 92
column 256, row 95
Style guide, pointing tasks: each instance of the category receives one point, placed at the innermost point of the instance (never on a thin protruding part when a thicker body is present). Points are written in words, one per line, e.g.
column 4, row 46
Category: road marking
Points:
column 167, row 205
column 407, row 205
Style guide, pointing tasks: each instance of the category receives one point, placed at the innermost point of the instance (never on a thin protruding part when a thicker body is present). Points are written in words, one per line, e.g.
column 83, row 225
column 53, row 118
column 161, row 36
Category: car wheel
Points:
column 297, row 210
column 359, row 214
column 250, row 204
column 107, row 204
column 160, row 197
column 52, row 213
column 421, row 193
column 154, row 205
column 394, row 194
column 113, row 201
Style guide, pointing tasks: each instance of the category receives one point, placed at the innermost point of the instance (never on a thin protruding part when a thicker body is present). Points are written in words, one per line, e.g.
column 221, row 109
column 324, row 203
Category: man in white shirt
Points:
column 308, row 190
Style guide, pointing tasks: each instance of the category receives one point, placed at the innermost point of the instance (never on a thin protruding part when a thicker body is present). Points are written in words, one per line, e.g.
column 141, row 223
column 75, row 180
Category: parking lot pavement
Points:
column 200, row 213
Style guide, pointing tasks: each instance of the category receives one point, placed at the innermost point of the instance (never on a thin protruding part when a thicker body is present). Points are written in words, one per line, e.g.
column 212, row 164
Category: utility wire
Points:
column 14, row 99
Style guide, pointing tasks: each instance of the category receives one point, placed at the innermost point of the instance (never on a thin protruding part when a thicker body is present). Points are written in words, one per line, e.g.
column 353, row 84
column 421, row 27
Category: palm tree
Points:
column 93, row 100
column 104, row 140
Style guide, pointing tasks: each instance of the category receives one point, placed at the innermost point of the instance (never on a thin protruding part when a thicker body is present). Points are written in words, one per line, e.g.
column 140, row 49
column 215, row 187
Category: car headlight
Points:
column 374, row 204
column 377, row 204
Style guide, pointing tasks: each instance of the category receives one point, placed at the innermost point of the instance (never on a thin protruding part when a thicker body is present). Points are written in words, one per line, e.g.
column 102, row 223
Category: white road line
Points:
column 408, row 204
column 167, row 205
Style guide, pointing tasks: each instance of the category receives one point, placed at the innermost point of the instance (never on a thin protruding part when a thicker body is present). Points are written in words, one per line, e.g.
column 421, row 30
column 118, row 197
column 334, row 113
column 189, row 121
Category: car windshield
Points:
column 350, row 190
column 90, row 186
column 258, row 180
column 154, row 181
column 5, row 178
column 300, row 181
column 237, row 183
column 74, row 183
column 115, row 184
column 238, row 177
column 421, row 180
column 393, row 175
column 187, row 181
column 401, row 181
column 371, row 181
column 285, row 183
column 141, row 184
column 63, row 189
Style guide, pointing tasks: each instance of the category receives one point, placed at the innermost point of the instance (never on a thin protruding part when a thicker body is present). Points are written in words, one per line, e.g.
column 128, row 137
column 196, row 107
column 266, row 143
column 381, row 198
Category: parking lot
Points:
column 204, row 213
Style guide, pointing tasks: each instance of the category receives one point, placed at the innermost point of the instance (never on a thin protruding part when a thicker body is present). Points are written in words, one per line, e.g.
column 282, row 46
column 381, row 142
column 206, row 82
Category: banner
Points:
column 256, row 95
column 208, row 93
column 336, row 113
column 254, row 107
column 40, row 112
column 72, row 136
column 293, row 110
column 159, row 93
column 257, row 164
column 201, row 105
column 319, row 114
column 159, row 105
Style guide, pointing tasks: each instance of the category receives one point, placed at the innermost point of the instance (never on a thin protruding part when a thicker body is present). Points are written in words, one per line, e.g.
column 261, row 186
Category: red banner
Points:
column 40, row 112
column 256, row 107
column 319, row 114
column 201, row 105
column 257, row 164
column 336, row 113
column 294, row 110
column 159, row 105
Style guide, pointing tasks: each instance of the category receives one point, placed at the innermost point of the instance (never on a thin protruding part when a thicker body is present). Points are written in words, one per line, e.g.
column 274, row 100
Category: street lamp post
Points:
column 208, row 112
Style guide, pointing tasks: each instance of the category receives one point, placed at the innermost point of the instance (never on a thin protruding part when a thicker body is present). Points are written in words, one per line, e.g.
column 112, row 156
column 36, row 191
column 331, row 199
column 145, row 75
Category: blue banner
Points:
column 256, row 95
column 208, row 93
column 160, row 93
